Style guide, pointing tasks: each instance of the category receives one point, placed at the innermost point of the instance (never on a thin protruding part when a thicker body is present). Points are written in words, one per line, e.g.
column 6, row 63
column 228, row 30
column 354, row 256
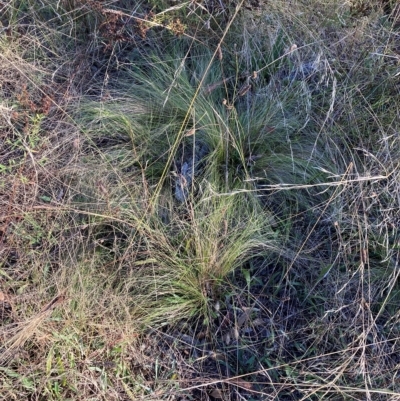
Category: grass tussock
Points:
column 199, row 201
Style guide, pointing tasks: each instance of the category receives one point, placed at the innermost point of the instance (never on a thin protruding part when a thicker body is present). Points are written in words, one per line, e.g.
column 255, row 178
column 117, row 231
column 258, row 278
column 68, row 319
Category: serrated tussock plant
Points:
column 190, row 260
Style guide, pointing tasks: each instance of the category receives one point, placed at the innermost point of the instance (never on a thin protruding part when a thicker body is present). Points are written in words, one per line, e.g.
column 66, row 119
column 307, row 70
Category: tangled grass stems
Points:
column 277, row 274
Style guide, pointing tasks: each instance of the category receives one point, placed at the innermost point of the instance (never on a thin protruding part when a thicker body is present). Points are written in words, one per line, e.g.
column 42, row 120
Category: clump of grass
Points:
column 185, row 274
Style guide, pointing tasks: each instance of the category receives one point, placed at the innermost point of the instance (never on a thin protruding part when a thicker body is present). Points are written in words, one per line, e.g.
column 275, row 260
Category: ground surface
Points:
column 199, row 200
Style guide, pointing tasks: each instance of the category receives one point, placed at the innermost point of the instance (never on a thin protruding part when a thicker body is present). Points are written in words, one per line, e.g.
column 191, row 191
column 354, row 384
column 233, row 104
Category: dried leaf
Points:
column 201, row 335
column 217, row 393
column 190, row 132
column 218, row 356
